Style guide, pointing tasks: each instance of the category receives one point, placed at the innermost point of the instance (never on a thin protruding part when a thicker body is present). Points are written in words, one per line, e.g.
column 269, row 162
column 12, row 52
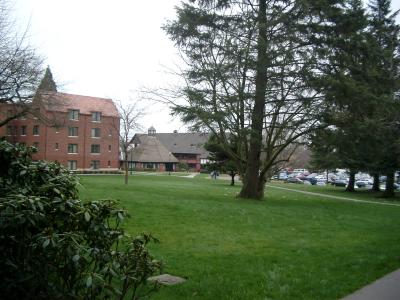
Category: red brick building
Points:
column 80, row 132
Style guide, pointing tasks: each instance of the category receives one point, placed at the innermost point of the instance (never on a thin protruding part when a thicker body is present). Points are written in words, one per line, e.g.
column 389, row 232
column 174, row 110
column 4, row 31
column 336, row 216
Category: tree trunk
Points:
column 375, row 185
column 126, row 167
column 352, row 180
column 251, row 184
column 232, row 178
column 389, row 191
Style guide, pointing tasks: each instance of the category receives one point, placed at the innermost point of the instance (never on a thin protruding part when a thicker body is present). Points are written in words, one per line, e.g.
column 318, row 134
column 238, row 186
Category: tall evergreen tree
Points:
column 346, row 82
column 47, row 84
column 385, row 42
column 245, row 75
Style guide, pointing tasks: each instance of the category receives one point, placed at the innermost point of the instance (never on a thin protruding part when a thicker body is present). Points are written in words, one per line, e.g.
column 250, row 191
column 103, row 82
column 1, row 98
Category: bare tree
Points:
column 130, row 113
column 20, row 68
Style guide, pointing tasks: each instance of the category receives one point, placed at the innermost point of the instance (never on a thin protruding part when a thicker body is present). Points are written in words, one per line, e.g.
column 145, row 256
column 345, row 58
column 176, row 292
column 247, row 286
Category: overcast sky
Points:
column 106, row 48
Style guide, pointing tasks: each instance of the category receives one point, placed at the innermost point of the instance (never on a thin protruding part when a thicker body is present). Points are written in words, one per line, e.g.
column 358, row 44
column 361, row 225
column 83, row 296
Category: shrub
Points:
column 55, row 246
column 183, row 166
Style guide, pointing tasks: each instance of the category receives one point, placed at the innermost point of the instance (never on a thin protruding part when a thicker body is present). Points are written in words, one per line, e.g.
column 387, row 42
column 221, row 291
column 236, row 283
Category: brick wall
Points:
column 53, row 141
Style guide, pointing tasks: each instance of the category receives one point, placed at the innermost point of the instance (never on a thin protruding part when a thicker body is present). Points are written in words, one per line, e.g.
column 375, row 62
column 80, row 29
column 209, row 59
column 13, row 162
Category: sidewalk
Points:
column 385, row 288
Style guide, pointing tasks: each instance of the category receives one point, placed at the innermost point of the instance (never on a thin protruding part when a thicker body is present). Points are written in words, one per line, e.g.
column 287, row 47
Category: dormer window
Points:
column 73, row 114
column 96, row 116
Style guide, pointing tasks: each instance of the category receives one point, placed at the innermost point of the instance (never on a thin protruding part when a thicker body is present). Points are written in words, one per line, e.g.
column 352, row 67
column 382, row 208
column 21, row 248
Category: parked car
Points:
column 340, row 182
column 300, row 171
column 282, row 176
column 363, row 183
column 294, row 180
column 311, row 180
column 382, row 187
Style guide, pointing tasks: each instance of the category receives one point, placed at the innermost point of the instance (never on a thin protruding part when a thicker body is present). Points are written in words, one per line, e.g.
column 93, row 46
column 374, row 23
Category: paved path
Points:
column 183, row 175
column 333, row 197
column 385, row 288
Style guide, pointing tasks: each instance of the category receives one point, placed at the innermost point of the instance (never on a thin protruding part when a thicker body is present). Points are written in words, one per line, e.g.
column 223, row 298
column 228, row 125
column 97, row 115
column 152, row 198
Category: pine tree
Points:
column 245, row 73
column 47, row 84
column 344, row 84
column 385, row 43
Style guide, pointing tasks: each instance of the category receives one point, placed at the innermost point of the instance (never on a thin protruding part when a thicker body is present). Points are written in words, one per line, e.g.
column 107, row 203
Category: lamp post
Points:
column 169, row 163
column 131, row 163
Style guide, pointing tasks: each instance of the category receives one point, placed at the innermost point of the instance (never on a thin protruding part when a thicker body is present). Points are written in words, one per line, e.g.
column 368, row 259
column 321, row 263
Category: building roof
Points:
column 151, row 149
column 62, row 102
column 191, row 143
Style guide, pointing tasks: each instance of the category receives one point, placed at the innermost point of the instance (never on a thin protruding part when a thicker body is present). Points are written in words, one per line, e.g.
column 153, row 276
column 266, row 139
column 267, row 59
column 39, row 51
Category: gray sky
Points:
column 107, row 48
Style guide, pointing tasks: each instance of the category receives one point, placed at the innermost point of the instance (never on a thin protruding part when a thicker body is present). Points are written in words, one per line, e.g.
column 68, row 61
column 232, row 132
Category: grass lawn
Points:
column 360, row 194
column 290, row 246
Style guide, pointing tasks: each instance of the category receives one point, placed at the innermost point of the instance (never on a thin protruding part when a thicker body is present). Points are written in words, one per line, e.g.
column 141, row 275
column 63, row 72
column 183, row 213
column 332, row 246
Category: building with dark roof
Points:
column 184, row 148
column 149, row 153
column 80, row 132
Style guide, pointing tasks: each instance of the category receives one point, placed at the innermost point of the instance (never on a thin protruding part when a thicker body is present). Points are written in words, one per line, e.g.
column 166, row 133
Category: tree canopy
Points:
column 247, row 64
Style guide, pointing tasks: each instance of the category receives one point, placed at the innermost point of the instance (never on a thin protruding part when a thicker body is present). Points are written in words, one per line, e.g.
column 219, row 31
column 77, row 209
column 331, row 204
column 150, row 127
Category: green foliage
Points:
column 183, row 166
column 56, row 247
column 245, row 78
column 360, row 82
column 220, row 160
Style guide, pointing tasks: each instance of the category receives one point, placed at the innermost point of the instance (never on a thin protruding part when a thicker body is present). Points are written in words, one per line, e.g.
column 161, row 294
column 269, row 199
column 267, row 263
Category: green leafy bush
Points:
column 183, row 166
column 54, row 246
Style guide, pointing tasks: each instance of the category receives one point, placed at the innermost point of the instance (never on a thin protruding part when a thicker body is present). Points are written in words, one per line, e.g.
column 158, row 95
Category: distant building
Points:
column 79, row 132
column 163, row 151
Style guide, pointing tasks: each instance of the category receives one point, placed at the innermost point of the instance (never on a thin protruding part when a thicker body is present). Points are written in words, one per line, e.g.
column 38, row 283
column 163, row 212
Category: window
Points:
column 73, row 114
column 72, row 148
column 23, row 130
column 9, row 130
column 95, row 164
column 56, row 146
column 96, row 132
column 72, row 131
column 96, row 116
column 72, row 164
column 110, row 132
column 35, row 130
column 95, row 149
column 151, row 166
column 36, row 145
column 109, row 164
column 109, row 148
